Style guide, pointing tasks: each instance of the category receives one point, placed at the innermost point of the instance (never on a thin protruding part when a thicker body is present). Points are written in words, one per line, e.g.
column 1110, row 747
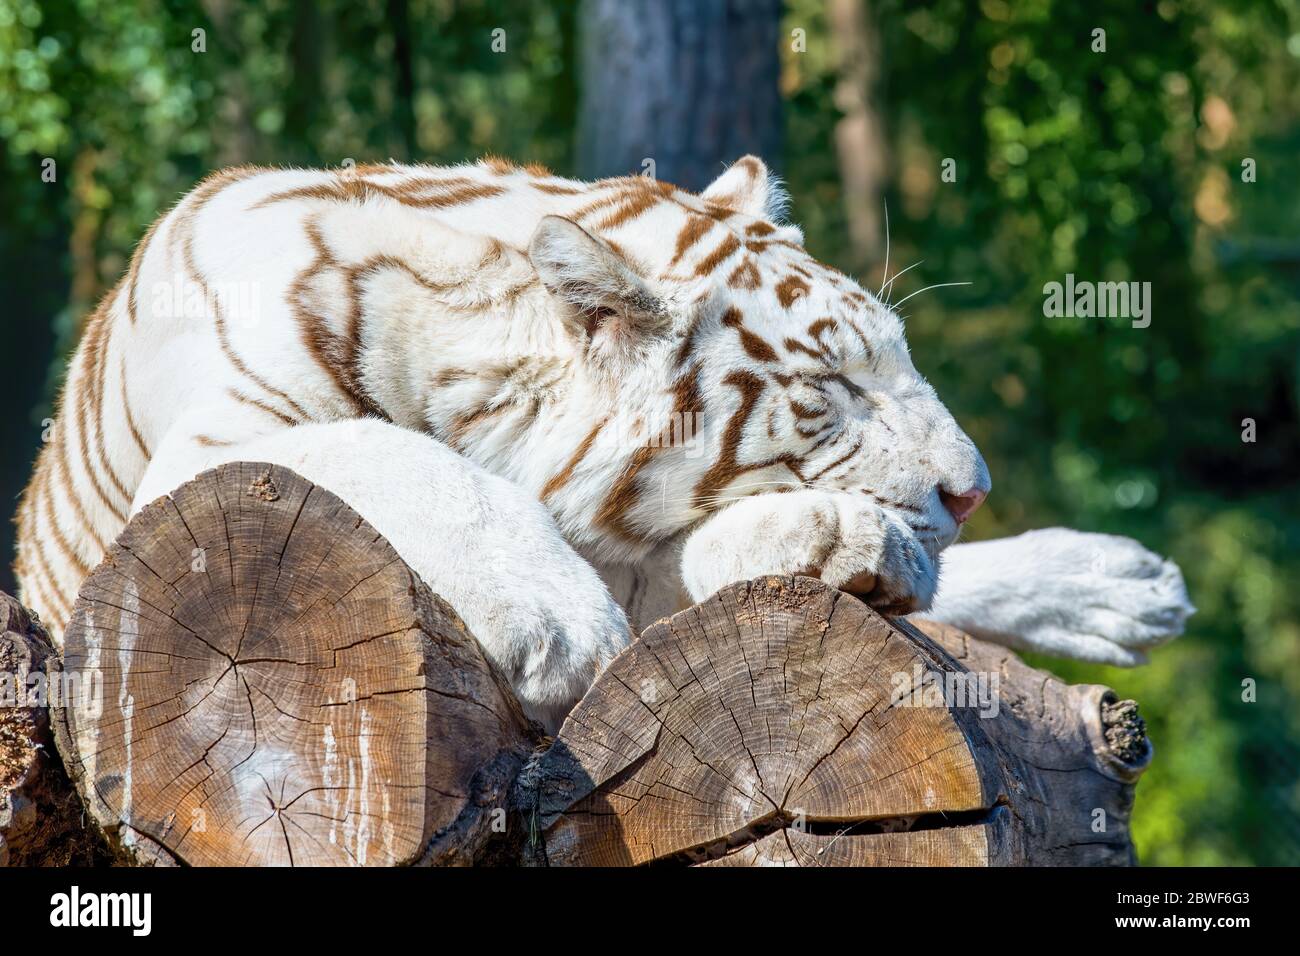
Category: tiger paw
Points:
column 844, row 539
column 1090, row 597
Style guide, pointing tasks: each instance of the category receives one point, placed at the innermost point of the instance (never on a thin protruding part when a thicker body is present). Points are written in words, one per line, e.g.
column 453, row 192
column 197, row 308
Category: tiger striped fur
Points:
column 541, row 391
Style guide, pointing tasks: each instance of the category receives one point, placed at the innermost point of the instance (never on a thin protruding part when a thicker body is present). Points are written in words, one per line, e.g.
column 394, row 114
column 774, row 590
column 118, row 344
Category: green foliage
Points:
column 1123, row 165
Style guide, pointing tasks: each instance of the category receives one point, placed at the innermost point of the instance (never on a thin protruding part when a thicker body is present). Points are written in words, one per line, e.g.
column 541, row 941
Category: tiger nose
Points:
column 962, row 506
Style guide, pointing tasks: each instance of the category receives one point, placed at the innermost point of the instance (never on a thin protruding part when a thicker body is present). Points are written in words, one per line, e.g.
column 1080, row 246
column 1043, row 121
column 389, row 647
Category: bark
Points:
column 860, row 142
column 399, row 21
column 40, row 815
column 240, row 142
column 689, row 84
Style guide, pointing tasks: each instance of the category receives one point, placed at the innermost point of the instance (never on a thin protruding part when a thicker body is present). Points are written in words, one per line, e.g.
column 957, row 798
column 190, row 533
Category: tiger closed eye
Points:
column 849, row 385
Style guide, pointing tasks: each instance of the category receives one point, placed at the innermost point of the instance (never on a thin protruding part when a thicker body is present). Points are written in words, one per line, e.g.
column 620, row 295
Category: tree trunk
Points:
column 399, row 22
column 860, row 143
column 239, row 140
column 253, row 676
column 691, row 85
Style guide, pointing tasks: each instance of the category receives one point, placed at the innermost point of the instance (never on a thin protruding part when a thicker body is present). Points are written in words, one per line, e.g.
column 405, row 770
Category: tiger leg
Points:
column 652, row 588
column 539, row 610
column 1091, row 597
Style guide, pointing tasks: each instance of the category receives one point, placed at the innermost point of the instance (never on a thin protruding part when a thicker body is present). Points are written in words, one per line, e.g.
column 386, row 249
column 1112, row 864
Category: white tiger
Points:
column 564, row 403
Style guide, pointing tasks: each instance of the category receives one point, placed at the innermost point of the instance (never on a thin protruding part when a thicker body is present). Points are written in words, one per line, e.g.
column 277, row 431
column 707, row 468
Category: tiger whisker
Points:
column 890, row 284
column 885, row 273
column 937, row 285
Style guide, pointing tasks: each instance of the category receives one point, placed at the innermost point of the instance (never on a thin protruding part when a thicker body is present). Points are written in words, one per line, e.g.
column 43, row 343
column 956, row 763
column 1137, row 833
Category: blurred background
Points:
column 1009, row 151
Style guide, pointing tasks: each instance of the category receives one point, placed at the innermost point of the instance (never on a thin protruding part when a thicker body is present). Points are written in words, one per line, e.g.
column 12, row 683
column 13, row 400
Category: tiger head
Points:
column 728, row 362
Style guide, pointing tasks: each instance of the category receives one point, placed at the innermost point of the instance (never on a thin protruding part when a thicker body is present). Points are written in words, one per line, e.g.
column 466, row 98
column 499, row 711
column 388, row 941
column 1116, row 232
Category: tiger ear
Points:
column 749, row 188
column 603, row 294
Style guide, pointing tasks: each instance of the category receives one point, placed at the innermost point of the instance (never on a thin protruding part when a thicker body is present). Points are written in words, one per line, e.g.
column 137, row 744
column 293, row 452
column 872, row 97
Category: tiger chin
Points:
column 565, row 404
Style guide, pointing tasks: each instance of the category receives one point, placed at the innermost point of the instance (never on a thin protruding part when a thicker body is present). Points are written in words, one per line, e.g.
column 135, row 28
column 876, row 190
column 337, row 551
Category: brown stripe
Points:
column 745, row 276
column 462, row 424
column 754, row 345
column 630, row 210
column 352, row 188
column 868, row 352
column 820, row 326
column 45, row 568
column 728, row 467
column 760, row 245
column 40, row 595
column 718, row 255
column 559, row 480
column 794, row 345
column 415, row 185
column 621, row 194
column 806, row 412
column 137, row 263
column 695, row 229
column 503, row 167
column 835, row 276
column 790, row 289
column 51, row 517
column 820, row 441
column 323, row 346
column 199, row 198
column 626, row 492
column 498, row 164
column 83, row 441
column 449, row 376
column 557, row 189
column 838, row 461
column 102, row 343
column 453, row 197
column 419, row 192
column 223, row 339
column 261, row 406
column 70, row 489
column 687, row 347
column 130, row 419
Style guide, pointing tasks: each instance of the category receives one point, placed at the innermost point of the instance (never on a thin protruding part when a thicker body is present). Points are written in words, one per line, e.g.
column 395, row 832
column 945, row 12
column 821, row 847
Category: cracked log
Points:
column 782, row 722
column 277, row 687
column 260, row 679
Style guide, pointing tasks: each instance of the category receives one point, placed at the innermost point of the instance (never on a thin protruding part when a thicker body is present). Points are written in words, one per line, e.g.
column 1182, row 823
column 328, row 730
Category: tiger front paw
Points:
column 1091, row 597
column 844, row 539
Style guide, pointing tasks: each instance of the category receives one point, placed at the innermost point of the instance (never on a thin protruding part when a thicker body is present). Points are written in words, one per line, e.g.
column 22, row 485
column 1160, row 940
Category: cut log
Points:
column 1076, row 752
column 40, row 815
column 782, row 722
column 253, row 676
column 276, row 686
